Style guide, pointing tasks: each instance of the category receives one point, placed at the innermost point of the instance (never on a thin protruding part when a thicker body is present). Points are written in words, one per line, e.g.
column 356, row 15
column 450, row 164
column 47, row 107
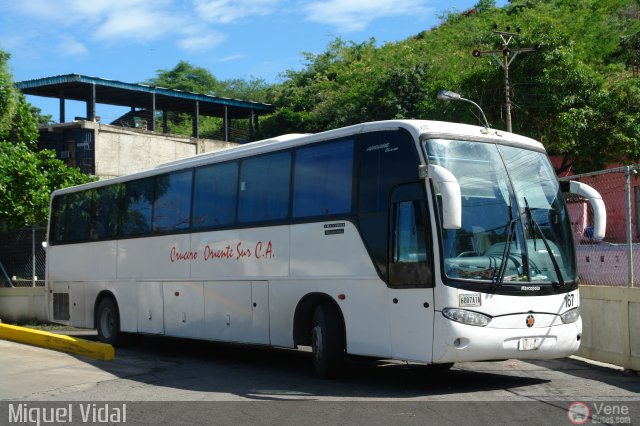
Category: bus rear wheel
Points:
column 108, row 321
column 327, row 342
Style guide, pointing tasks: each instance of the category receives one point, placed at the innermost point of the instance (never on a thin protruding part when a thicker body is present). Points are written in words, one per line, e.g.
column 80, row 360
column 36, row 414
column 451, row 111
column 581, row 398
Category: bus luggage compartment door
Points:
column 237, row 311
column 184, row 309
column 150, row 307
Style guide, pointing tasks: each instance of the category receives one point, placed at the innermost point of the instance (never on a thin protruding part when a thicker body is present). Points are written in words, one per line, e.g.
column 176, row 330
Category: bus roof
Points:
column 417, row 128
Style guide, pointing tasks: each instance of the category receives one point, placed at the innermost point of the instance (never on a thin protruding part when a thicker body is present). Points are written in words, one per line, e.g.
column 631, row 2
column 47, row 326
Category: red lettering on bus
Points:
column 177, row 256
column 268, row 254
column 262, row 253
column 242, row 252
column 225, row 253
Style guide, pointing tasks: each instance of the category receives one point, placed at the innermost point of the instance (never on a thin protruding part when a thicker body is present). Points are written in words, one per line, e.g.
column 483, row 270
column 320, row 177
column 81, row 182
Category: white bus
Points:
column 413, row 240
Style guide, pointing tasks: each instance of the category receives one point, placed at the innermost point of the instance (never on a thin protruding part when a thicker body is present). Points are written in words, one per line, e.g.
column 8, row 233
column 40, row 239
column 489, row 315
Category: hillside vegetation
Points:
column 577, row 94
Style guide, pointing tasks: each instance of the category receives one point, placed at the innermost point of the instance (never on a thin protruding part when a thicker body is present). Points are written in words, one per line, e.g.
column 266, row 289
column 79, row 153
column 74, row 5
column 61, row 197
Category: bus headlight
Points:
column 570, row 316
column 466, row 317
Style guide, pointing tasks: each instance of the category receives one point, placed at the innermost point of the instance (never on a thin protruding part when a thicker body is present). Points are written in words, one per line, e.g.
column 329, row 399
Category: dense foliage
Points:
column 576, row 94
column 27, row 175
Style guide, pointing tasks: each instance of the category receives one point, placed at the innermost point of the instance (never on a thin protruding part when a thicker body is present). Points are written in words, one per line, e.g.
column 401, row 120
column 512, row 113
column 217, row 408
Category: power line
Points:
column 505, row 57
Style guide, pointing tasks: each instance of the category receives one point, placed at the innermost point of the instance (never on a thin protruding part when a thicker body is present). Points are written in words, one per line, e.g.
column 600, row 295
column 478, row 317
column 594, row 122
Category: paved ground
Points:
column 153, row 369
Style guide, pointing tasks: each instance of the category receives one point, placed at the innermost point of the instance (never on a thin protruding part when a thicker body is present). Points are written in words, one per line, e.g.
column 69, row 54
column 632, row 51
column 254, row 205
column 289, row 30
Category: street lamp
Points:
column 448, row 96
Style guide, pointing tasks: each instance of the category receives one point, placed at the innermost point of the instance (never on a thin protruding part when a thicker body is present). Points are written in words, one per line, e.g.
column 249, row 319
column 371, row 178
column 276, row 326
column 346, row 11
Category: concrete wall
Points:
column 119, row 151
column 611, row 325
column 22, row 305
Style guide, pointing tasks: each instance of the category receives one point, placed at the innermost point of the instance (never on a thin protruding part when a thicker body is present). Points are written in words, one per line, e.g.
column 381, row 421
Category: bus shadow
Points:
column 262, row 373
column 618, row 378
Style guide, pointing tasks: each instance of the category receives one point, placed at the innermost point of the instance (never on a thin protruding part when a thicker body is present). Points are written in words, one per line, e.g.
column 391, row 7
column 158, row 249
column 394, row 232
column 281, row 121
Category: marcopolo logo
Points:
column 530, row 321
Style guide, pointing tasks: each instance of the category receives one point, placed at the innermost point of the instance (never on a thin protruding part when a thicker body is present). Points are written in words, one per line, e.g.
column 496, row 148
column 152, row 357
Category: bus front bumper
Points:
column 457, row 342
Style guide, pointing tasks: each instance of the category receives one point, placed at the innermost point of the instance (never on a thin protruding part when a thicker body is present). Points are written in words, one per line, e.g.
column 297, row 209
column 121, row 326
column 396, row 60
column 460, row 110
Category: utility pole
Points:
column 505, row 57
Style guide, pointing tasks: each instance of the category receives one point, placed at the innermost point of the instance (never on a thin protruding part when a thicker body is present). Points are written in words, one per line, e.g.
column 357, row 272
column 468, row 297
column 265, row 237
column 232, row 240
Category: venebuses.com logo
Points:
column 580, row 413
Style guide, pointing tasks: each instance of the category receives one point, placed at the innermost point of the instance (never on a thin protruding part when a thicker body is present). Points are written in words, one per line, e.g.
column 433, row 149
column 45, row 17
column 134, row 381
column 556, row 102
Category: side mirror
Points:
column 594, row 198
column 451, row 199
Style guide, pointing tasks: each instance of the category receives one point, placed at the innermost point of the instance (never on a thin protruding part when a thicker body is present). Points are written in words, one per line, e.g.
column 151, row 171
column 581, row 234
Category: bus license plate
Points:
column 529, row 343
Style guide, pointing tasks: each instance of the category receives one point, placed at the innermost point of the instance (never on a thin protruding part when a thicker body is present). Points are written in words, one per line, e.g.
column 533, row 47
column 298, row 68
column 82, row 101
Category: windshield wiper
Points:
column 534, row 226
column 498, row 277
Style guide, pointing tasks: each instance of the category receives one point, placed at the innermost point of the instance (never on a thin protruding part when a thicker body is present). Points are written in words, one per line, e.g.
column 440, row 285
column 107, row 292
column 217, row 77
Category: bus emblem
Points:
column 530, row 321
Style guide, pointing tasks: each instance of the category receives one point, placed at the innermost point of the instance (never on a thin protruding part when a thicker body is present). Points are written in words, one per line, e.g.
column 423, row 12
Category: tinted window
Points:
column 107, row 202
column 137, row 207
column 172, row 205
column 214, row 197
column 388, row 158
column 77, row 216
column 58, row 208
column 323, row 179
column 409, row 261
column 264, row 188
column 409, row 245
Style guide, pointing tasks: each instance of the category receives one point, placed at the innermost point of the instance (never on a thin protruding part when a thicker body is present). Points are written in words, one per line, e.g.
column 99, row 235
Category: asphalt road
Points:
column 172, row 381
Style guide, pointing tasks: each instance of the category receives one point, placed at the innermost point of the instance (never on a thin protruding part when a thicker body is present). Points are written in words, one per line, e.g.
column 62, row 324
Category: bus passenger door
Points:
column 410, row 275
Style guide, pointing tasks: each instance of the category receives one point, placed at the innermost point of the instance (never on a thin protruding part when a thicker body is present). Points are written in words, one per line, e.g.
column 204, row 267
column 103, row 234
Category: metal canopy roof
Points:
column 80, row 88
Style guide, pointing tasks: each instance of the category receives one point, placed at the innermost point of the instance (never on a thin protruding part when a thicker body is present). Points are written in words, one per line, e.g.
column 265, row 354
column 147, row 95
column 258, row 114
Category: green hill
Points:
column 577, row 94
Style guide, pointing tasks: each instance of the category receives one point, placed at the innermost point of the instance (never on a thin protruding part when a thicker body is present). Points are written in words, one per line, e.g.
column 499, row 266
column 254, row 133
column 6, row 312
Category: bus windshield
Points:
column 512, row 212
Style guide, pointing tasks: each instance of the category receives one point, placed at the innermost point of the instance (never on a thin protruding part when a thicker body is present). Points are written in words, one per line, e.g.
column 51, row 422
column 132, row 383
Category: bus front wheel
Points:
column 108, row 321
column 327, row 342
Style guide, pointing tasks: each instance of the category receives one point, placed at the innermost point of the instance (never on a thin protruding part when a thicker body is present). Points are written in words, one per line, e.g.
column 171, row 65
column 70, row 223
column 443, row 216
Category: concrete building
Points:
column 133, row 141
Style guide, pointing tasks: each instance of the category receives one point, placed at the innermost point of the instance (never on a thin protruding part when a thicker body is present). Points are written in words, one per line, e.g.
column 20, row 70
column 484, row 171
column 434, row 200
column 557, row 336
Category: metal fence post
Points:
column 33, row 255
column 6, row 275
column 627, row 191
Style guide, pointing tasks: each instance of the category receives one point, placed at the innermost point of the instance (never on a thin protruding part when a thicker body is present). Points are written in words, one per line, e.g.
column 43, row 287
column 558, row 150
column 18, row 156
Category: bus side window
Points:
column 410, row 257
column 172, row 203
column 78, row 210
column 264, row 188
column 323, row 180
column 214, row 195
column 409, row 245
column 57, row 225
column 105, row 222
column 137, row 207
column 387, row 158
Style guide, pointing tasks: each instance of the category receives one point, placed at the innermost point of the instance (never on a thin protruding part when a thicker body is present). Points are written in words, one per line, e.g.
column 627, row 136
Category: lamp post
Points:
column 505, row 57
column 447, row 96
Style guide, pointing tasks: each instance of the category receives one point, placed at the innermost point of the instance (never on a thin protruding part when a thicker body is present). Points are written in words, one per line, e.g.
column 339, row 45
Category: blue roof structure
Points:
column 100, row 90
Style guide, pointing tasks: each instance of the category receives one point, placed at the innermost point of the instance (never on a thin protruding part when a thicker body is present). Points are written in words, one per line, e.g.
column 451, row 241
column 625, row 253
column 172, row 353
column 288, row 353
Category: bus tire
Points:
column 108, row 321
column 327, row 342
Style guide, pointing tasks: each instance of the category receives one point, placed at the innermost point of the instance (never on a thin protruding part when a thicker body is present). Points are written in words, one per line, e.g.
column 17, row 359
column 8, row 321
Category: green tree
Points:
column 187, row 77
column 576, row 95
column 27, row 179
column 27, row 176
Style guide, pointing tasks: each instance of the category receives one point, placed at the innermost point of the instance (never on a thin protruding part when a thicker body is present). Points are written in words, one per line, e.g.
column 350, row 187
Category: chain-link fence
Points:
column 615, row 261
column 22, row 258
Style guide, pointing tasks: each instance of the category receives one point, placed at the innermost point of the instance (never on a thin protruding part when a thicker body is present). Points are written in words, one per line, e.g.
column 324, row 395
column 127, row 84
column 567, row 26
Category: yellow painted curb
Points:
column 95, row 350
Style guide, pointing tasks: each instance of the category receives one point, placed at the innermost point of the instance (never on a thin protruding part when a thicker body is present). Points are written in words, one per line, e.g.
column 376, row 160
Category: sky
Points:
column 130, row 40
